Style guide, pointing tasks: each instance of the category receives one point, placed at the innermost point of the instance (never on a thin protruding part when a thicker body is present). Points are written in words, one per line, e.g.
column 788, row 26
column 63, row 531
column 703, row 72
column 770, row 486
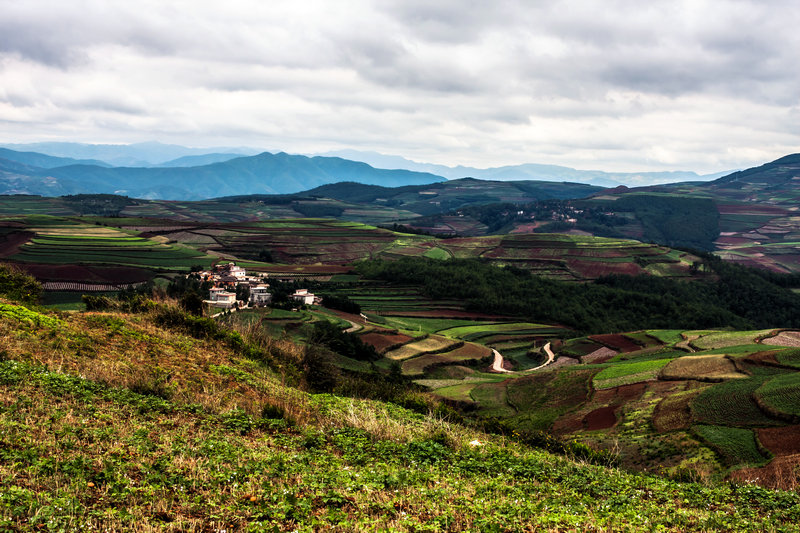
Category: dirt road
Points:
column 497, row 364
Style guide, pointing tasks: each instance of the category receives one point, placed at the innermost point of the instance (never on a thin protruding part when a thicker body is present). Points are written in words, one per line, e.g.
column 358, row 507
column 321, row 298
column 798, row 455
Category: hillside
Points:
column 261, row 174
column 756, row 222
column 158, row 421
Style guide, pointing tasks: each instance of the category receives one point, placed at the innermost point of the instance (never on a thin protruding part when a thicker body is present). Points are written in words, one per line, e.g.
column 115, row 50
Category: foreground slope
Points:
column 122, row 422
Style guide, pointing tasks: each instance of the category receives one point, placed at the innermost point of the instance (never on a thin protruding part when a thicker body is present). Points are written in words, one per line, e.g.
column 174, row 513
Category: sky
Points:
column 615, row 85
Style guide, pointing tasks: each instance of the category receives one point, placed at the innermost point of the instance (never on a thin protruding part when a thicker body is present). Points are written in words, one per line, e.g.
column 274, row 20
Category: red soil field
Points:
column 760, row 209
column 781, row 440
column 10, row 243
column 91, row 274
column 383, row 342
column 621, row 394
column 595, row 269
column 617, row 342
column 602, row 418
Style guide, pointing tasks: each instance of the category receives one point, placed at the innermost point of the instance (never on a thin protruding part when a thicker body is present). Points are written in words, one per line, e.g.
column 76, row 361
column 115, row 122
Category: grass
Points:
column 626, row 373
column 488, row 328
column 213, row 440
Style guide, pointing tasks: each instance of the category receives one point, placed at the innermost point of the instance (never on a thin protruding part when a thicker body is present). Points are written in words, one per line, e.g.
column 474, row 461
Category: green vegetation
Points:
column 676, row 221
column 18, row 286
column 625, row 373
column 614, row 303
column 736, row 446
column 781, row 396
column 731, row 404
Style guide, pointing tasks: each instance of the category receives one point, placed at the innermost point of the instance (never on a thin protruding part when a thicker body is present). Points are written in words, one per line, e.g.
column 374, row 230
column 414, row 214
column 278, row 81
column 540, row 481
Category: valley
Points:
column 612, row 337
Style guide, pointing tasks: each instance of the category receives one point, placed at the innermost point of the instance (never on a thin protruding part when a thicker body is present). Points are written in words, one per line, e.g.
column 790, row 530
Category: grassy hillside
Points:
column 125, row 422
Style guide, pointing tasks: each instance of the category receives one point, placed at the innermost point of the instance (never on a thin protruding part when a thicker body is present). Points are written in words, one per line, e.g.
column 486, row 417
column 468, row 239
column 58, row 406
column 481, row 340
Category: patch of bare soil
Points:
column 674, row 412
column 618, row 342
column 600, row 355
column 781, row 440
column 10, row 243
column 601, row 418
column 762, row 358
column 383, row 343
column 784, row 338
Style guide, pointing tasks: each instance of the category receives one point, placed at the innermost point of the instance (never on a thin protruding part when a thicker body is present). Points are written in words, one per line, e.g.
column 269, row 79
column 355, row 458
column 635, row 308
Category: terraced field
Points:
column 60, row 242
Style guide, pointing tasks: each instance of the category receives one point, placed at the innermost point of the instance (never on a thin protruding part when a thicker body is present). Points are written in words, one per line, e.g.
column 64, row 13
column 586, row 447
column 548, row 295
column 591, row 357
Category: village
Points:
column 232, row 288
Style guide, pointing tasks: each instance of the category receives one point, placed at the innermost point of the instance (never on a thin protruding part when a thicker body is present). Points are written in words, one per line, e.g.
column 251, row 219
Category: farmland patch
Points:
column 701, row 367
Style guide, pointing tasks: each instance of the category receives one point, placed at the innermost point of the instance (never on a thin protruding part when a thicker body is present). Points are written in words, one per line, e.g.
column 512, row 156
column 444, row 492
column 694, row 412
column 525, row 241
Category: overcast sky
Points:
column 618, row 85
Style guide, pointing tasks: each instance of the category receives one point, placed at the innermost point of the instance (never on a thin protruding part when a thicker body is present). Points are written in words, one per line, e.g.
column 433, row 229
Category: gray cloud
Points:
column 618, row 85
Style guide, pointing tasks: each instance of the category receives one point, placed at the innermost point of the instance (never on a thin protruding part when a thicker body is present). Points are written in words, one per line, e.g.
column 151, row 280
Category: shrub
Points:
column 18, row 286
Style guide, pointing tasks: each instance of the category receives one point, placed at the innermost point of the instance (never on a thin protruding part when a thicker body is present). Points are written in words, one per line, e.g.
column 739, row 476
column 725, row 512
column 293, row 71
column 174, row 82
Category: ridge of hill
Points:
column 772, row 174
column 130, row 155
column 35, row 159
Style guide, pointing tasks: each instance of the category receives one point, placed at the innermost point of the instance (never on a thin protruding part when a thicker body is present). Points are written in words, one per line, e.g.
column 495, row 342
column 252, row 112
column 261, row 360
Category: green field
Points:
column 731, row 404
column 626, row 373
column 782, row 394
column 736, row 446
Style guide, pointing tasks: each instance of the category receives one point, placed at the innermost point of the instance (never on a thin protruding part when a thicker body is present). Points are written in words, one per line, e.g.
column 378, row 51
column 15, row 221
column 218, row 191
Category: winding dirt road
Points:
column 497, row 364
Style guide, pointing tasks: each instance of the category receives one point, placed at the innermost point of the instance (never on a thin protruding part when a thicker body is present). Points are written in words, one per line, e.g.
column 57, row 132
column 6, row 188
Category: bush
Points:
column 18, row 286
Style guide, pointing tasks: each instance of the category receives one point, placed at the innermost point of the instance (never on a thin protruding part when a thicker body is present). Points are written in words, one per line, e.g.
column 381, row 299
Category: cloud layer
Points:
column 615, row 85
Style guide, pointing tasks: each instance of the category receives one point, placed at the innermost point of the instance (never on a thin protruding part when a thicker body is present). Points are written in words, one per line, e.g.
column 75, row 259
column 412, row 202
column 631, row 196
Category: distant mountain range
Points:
column 260, row 174
column 529, row 171
column 146, row 154
column 165, row 171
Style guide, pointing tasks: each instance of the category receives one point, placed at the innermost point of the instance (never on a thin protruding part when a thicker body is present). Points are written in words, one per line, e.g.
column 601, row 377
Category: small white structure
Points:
column 237, row 272
column 222, row 298
column 260, row 295
column 303, row 296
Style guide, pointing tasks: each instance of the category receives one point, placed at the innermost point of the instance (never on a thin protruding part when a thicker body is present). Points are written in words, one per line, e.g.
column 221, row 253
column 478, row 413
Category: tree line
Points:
column 729, row 295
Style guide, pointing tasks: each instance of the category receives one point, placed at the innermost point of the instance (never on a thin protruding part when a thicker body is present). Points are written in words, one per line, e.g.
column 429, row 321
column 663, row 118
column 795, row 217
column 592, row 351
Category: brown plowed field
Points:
column 784, row 338
column 674, row 412
column 383, row 342
column 10, row 243
column 595, row 269
column 600, row 355
column 617, row 342
column 87, row 274
column 763, row 357
column 781, row 440
column 602, row 418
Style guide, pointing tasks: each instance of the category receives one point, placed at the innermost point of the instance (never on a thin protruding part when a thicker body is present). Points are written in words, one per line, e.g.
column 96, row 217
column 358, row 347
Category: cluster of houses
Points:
column 226, row 278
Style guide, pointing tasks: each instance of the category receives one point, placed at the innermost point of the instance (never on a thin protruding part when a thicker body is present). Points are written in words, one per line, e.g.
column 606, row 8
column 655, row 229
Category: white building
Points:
column 260, row 295
column 303, row 296
column 222, row 298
